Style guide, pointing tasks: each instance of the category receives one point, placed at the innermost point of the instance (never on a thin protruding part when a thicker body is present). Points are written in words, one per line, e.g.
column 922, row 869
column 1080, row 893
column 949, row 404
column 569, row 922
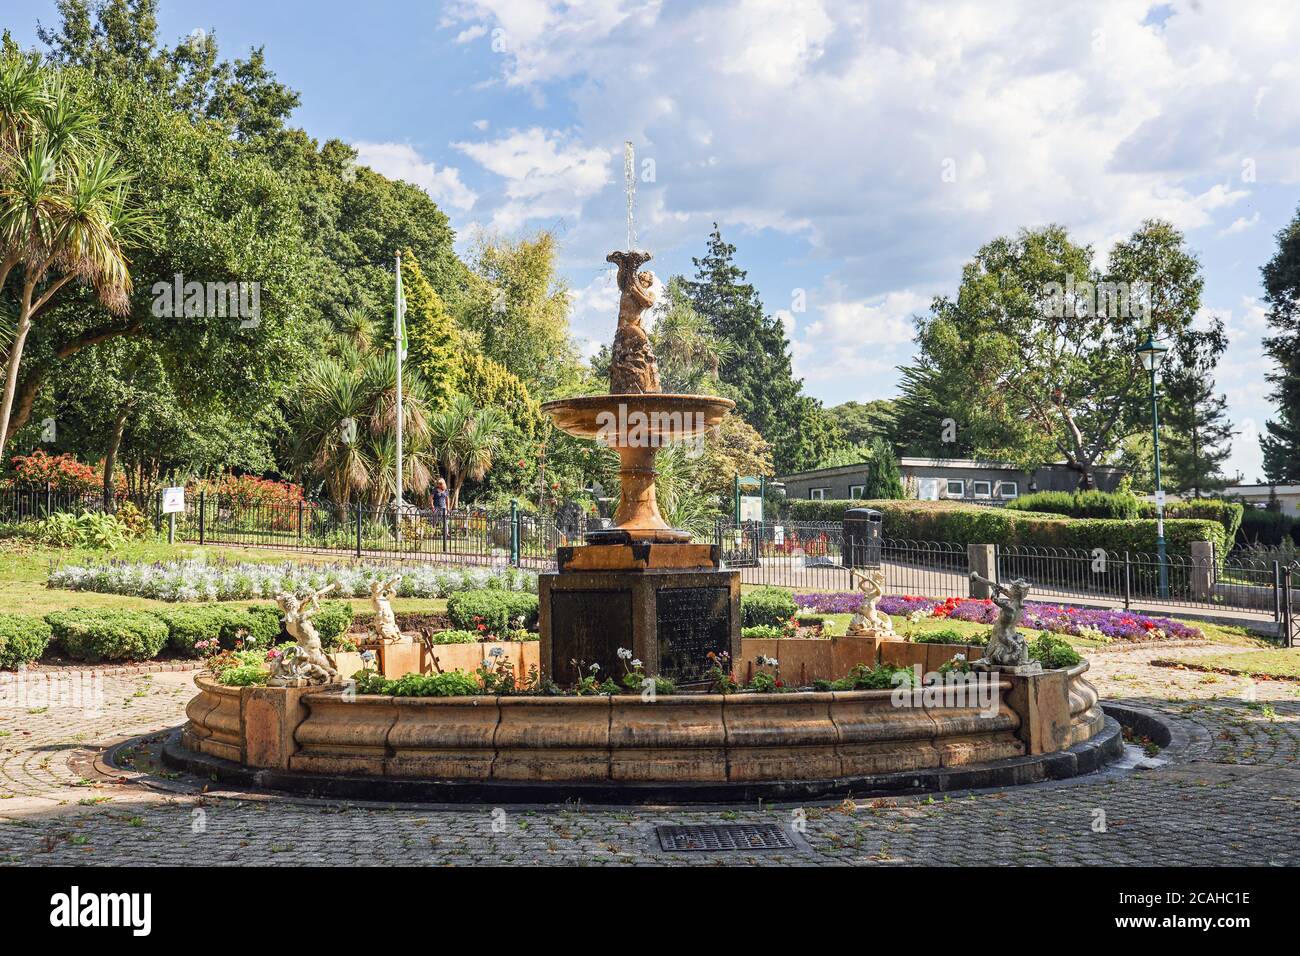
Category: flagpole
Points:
column 399, row 335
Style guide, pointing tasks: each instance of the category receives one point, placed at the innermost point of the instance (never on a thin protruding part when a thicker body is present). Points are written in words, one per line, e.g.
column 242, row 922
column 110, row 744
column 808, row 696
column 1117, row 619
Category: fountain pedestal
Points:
column 669, row 604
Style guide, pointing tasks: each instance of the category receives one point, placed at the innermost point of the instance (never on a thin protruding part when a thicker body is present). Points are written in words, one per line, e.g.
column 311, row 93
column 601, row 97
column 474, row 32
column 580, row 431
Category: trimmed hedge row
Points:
column 957, row 523
column 107, row 634
column 496, row 609
column 766, row 607
column 23, row 639
column 115, row 634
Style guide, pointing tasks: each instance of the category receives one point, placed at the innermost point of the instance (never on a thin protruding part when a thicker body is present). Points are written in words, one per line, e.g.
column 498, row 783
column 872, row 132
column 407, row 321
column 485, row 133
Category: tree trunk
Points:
column 110, row 460
column 11, row 370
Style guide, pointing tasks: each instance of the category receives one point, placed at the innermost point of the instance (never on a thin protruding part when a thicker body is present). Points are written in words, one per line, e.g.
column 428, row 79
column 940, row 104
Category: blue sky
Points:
column 817, row 133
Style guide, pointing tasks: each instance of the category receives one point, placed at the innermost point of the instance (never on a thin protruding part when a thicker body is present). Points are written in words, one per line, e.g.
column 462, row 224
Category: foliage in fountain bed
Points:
column 182, row 581
column 766, row 607
column 1053, row 652
column 492, row 611
column 447, row 684
column 23, row 639
column 107, row 634
column 950, row 636
column 864, row 677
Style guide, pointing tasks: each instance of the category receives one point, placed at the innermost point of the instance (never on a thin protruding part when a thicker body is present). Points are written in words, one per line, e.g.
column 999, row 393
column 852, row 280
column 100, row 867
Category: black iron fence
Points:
column 811, row 556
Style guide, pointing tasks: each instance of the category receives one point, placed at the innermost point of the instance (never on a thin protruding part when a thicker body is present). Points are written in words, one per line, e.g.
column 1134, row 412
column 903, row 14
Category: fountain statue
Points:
column 385, row 626
column 305, row 663
column 1006, row 647
column 641, row 583
column 868, row 621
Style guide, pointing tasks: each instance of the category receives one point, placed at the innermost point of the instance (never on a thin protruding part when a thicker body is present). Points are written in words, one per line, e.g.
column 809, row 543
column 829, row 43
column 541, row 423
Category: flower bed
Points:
column 203, row 581
column 1096, row 623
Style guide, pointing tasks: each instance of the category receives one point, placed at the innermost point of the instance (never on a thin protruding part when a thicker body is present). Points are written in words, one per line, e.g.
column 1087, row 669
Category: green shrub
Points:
column 958, row 523
column 1227, row 513
column 263, row 622
column 1053, row 652
column 332, row 622
column 1269, row 528
column 763, row 631
column 1080, row 504
column 448, row 684
column 189, row 624
column 246, row 675
column 766, row 606
column 23, row 639
column 107, row 634
column 457, row 636
column 946, row 635
column 810, row 620
column 498, row 610
column 864, row 677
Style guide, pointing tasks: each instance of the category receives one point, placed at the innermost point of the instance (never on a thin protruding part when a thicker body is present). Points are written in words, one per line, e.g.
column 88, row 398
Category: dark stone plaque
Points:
column 589, row 626
column 689, row 623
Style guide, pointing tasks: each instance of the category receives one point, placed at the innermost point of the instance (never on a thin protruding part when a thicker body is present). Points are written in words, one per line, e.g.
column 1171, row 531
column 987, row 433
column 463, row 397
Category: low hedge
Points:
column 332, row 622
column 496, row 609
column 107, row 634
column 956, row 523
column 1267, row 528
column 23, row 639
column 1079, row 504
column 766, row 607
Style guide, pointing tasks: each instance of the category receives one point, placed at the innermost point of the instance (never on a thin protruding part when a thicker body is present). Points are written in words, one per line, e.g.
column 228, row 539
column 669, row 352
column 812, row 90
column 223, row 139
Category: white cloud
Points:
column 401, row 161
column 1240, row 224
column 546, row 174
column 820, row 129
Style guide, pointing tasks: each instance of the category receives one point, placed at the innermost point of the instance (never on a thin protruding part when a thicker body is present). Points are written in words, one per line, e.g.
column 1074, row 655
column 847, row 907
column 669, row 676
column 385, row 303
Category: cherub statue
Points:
column 1006, row 647
column 868, row 620
column 381, row 595
column 633, row 369
column 306, row 663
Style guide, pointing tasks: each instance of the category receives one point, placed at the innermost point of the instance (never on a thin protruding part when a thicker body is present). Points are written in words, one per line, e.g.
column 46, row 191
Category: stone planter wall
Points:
column 697, row 738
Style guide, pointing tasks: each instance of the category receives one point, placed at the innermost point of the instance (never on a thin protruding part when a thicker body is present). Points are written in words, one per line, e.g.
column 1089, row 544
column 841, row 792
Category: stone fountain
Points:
column 641, row 584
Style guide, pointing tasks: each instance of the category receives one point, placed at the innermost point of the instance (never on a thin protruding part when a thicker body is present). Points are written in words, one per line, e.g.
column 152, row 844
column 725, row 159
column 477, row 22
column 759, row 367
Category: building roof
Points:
column 1261, row 489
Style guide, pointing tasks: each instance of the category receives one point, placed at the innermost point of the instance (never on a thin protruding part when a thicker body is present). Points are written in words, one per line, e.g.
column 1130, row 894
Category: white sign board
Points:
column 751, row 508
column 778, row 535
column 173, row 501
column 1160, row 499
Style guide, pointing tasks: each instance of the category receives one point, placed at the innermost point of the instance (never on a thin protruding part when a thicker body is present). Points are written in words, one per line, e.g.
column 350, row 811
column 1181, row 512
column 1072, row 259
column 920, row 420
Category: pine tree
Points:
column 1197, row 435
column 431, row 335
column 1281, row 275
column 884, row 480
column 758, row 367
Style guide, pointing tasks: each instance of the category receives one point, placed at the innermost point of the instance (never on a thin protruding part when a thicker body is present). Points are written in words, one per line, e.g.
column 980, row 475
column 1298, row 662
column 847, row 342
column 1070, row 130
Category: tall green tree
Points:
column 883, row 479
column 1035, row 359
column 1196, row 431
column 65, row 214
column 1281, row 275
column 860, row 422
column 759, row 369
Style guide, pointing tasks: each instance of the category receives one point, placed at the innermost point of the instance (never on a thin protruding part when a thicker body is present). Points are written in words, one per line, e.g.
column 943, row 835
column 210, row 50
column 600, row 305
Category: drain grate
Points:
column 713, row 838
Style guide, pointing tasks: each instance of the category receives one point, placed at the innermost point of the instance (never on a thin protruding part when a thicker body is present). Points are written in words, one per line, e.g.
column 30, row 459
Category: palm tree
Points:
column 356, row 327
column 63, row 210
column 328, row 439
column 464, row 440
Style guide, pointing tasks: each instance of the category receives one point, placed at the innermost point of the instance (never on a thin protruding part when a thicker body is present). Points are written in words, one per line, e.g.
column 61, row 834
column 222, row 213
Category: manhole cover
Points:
column 724, row 836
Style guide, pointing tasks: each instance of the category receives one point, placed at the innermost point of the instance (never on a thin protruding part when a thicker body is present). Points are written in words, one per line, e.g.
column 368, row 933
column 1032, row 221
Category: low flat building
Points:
column 1259, row 496
column 959, row 479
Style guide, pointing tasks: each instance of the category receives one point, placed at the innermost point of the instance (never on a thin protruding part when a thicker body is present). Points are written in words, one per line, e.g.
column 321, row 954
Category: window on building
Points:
column 927, row 489
column 817, row 494
column 982, row 489
column 1009, row 489
column 956, row 488
column 857, row 491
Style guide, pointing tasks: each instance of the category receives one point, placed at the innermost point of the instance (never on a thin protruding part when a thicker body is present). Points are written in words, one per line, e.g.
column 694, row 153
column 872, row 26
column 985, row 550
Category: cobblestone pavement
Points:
column 1230, row 795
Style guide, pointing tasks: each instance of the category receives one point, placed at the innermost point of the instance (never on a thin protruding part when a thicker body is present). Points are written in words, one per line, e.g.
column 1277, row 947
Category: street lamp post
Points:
column 1151, row 353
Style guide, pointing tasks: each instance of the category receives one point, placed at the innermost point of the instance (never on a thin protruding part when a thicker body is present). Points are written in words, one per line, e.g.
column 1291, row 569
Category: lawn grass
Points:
column 1277, row 663
column 24, row 569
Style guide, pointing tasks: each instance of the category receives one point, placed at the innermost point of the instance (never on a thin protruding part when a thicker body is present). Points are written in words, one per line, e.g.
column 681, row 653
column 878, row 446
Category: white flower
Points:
column 594, row 668
column 624, row 654
column 636, row 663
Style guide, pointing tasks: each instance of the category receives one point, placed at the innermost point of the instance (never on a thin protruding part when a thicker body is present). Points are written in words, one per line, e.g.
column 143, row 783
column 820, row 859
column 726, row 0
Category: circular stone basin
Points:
column 679, row 748
column 665, row 416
